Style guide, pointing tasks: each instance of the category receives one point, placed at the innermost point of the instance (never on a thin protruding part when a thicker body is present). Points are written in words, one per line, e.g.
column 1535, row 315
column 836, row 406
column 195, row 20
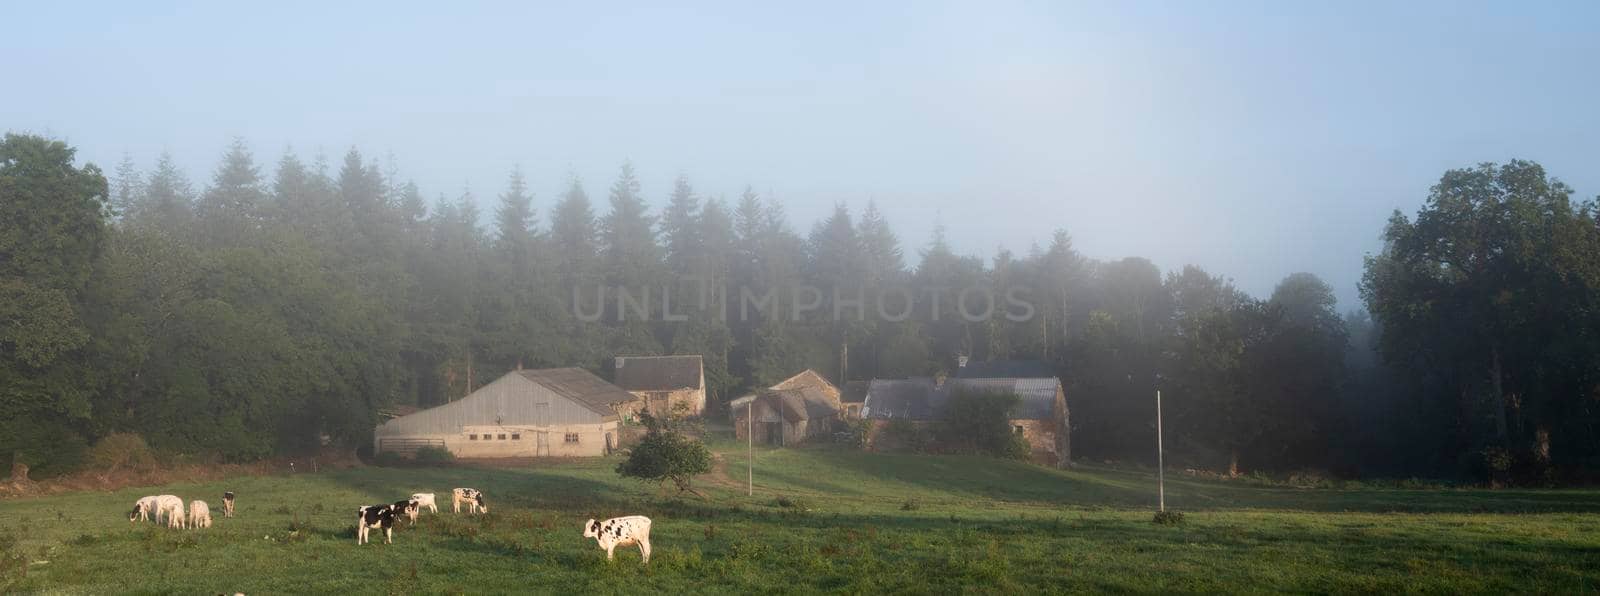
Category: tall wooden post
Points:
column 1161, row 463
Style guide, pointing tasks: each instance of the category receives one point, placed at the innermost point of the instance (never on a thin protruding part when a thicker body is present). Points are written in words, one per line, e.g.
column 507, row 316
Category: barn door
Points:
column 775, row 433
column 541, row 444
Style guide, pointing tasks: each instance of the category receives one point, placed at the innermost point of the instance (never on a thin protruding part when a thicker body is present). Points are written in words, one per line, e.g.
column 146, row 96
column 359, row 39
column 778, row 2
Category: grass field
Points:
column 821, row 520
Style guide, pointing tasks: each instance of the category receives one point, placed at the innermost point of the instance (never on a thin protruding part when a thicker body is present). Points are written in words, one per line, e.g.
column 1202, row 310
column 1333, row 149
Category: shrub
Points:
column 907, row 435
column 980, row 422
column 389, row 459
column 854, row 433
column 665, row 454
column 910, row 505
column 434, row 455
column 1168, row 518
column 789, row 503
column 122, row 451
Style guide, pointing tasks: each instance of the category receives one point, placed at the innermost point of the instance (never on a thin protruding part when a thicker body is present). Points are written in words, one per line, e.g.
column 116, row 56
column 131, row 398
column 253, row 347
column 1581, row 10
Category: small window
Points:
column 572, row 437
column 472, row 437
column 1017, row 429
column 503, row 436
column 516, row 437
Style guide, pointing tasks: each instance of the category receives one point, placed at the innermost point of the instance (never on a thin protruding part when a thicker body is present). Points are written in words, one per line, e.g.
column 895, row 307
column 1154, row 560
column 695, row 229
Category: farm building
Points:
column 797, row 409
column 663, row 384
column 1041, row 417
column 851, row 397
column 526, row 413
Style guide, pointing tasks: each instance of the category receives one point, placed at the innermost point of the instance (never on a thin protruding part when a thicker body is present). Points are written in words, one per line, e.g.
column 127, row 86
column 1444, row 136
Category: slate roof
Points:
column 658, row 373
column 1006, row 369
column 918, row 398
column 580, row 386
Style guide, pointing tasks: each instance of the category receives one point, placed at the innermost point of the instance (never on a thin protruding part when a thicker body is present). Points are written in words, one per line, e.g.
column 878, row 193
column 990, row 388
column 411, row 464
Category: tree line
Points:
column 276, row 310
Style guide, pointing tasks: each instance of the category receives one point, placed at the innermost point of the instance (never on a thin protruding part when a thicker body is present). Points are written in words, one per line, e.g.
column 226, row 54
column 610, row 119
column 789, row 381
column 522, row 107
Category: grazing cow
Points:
column 373, row 517
column 426, row 500
column 142, row 509
column 407, row 507
column 199, row 514
column 227, row 504
column 472, row 497
column 621, row 531
column 170, row 508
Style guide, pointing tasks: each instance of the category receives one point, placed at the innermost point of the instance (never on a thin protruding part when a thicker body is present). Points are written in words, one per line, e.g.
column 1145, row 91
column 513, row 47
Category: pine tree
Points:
column 514, row 220
column 678, row 226
column 167, row 197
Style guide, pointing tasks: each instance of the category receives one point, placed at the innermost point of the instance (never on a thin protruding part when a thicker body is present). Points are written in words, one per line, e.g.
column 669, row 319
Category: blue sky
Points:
column 1255, row 139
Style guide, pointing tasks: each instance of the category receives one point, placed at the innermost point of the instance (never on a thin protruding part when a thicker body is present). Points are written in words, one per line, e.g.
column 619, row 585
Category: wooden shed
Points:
column 800, row 408
column 526, row 413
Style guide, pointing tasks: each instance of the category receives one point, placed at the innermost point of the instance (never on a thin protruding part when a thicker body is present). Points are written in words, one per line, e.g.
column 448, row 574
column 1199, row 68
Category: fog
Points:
column 1249, row 141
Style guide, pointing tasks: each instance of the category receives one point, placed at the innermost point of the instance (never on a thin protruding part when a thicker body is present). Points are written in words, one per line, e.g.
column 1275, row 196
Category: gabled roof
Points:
column 580, row 386
column 805, row 403
column 920, row 398
column 1006, row 369
column 658, row 373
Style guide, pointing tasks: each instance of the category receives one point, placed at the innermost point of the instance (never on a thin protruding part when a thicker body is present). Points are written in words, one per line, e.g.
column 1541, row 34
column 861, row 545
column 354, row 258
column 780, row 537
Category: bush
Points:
column 389, row 459
column 854, row 433
column 434, row 455
column 789, row 503
column 665, row 454
column 910, row 505
column 907, row 435
column 122, row 451
column 1168, row 518
column 980, row 422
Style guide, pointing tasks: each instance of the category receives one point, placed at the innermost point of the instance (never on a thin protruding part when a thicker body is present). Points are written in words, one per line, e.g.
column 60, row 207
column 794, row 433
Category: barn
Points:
column 662, row 384
column 798, row 409
column 555, row 412
column 1040, row 416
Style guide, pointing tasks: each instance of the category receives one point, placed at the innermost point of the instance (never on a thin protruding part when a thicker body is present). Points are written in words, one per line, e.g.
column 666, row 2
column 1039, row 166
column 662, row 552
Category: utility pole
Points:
column 750, row 448
column 1161, row 464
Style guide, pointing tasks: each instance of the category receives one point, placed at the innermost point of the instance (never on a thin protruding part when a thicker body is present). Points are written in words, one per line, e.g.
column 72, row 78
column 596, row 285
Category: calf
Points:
column 142, row 509
column 227, row 504
column 170, row 508
column 199, row 514
column 621, row 531
column 408, row 507
column 374, row 517
column 426, row 500
column 472, row 497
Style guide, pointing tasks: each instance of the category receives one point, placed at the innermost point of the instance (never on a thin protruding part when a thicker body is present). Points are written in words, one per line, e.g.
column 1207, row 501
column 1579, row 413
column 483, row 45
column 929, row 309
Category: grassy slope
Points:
column 978, row 524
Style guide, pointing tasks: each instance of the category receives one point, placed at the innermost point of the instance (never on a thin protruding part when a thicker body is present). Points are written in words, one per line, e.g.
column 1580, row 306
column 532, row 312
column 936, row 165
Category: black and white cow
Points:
column 373, row 517
column 471, row 496
column 407, row 508
column 621, row 531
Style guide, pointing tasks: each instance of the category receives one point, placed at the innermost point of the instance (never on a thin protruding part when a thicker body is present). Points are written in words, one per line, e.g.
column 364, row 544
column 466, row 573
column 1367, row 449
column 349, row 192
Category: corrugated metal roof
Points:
column 1006, row 369
column 919, row 398
column 582, row 386
column 535, row 398
column 658, row 373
